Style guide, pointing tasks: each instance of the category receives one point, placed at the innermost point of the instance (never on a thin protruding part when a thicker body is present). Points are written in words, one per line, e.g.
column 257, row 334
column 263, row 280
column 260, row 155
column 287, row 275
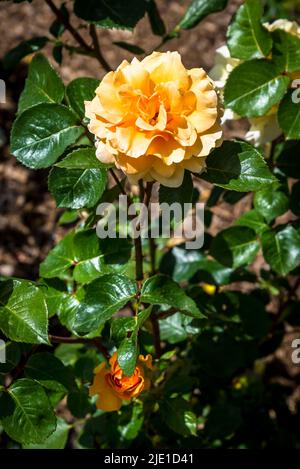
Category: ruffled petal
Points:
column 165, row 67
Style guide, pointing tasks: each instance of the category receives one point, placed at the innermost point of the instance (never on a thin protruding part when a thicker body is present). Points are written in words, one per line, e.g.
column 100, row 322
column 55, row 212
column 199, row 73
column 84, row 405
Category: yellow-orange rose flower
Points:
column 112, row 386
column 154, row 118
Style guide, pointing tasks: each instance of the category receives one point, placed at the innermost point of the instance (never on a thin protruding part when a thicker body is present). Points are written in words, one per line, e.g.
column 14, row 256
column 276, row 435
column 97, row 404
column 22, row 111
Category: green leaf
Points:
column 104, row 297
column 131, row 430
column 79, row 90
column 289, row 117
column 59, row 259
column 176, row 328
column 129, row 47
column 160, row 289
column 42, row 133
column 220, row 354
column 157, row 25
column 91, row 268
column 288, row 162
column 254, row 220
column 113, row 14
column 50, row 372
column 255, row 320
column 30, row 417
column 125, row 327
column 69, row 216
column 95, row 257
column 57, row 440
column 23, row 312
column 120, row 327
column 183, row 264
column 78, row 180
column 254, row 87
column 91, row 256
column 12, row 356
column 57, row 53
column 128, row 353
column 271, row 204
column 68, row 309
column 247, row 38
column 286, row 51
column 281, row 249
column 68, row 353
column 81, row 158
column 235, row 246
column 54, row 291
column 79, row 403
column 198, row 10
column 177, row 415
column 124, row 332
column 223, row 420
column 14, row 56
column 238, row 166
column 85, row 365
column 179, row 195
column 43, row 85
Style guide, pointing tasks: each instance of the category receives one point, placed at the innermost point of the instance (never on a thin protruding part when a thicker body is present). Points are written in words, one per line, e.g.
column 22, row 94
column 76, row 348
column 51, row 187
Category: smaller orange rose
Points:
column 112, row 386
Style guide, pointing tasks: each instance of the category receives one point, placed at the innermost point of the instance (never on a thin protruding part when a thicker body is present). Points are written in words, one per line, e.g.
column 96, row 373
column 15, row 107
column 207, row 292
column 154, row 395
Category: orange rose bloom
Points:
column 112, row 386
column 154, row 118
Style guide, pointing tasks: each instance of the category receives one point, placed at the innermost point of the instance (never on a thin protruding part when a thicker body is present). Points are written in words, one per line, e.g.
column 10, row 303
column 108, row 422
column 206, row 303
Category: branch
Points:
column 94, row 51
column 167, row 313
column 152, row 244
column 145, row 196
column 97, row 50
column 80, row 340
column 68, row 26
column 117, row 181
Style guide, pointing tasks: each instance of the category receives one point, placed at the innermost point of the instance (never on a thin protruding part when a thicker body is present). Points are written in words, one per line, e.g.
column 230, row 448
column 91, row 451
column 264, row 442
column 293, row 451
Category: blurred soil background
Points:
column 28, row 215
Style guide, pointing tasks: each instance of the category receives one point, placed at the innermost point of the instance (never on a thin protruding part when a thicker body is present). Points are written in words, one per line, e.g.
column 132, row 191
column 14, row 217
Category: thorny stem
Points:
column 152, row 245
column 145, row 196
column 78, row 340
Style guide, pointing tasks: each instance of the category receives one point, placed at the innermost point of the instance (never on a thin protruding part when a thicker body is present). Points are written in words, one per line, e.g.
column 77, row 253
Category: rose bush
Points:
column 217, row 321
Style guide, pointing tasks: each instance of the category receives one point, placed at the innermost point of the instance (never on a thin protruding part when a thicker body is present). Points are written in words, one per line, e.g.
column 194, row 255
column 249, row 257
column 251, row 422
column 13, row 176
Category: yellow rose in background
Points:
column 262, row 129
column 285, row 25
column 154, row 118
column 112, row 386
